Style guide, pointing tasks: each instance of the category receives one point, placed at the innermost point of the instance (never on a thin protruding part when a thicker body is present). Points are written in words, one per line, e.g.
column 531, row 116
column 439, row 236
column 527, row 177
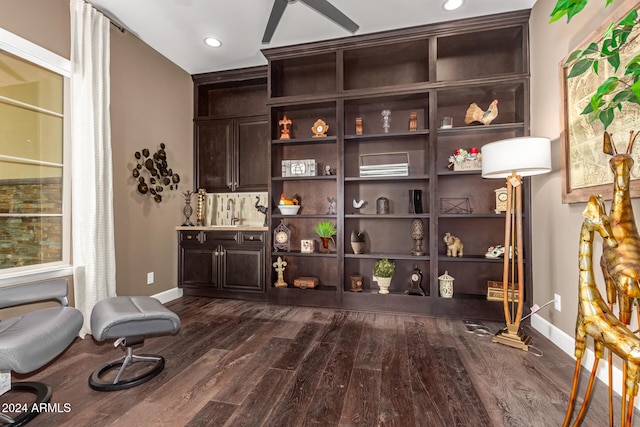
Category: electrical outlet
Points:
column 557, row 302
column 150, row 278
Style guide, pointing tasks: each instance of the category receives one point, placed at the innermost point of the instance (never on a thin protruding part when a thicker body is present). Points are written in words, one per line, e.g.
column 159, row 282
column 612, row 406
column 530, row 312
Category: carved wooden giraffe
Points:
column 596, row 319
column 621, row 264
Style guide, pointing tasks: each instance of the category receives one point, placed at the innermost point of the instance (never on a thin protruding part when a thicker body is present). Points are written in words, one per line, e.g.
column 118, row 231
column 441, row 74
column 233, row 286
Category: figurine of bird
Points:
column 357, row 204
column 475, row 113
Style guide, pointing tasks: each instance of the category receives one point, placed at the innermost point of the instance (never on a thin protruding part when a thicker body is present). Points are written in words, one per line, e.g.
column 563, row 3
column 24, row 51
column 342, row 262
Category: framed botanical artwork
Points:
column 585, row 168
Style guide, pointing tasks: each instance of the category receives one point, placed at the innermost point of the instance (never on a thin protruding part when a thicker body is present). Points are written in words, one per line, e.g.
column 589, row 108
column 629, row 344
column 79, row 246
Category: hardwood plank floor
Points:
column 241, row 363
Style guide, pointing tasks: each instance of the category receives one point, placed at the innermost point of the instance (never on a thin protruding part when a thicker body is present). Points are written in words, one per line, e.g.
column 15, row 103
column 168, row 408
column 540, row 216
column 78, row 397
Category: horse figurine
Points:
column 621, row 263
column 595, row 319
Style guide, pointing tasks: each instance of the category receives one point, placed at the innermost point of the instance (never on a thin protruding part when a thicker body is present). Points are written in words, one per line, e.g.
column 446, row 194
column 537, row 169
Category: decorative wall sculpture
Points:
column 153, row 173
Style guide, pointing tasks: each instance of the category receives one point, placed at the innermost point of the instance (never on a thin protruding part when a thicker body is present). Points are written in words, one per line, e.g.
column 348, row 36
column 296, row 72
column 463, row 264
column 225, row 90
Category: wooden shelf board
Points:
column 386, row 216
column 304, row 178
column 275, row 254
column 419, row 132
column 386, row 178
column 389, row 256
column 300, row 141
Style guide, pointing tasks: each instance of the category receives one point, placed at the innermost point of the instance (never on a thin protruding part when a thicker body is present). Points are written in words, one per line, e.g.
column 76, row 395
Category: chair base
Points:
column 97, row 383
column 43, row 396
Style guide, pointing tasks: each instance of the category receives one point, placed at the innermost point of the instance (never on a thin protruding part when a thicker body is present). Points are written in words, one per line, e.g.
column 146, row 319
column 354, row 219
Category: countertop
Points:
column 224, row 228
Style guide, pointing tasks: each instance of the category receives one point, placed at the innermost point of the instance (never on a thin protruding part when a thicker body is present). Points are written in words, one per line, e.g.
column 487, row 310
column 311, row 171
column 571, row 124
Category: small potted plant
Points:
column 383, row 271
column 326, row 231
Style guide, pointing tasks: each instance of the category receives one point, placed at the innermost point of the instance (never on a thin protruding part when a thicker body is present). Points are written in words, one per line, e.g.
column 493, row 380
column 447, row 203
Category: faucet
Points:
column 231, row 206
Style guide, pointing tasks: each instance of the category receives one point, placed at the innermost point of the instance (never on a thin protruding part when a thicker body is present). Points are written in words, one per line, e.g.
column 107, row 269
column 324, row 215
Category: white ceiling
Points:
column 177, row 28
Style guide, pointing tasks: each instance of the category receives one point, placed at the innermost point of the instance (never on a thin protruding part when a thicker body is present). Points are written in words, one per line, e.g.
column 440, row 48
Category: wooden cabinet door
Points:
column 213, row 155
column 243, row 269
column 198, row 267
column 252, row 149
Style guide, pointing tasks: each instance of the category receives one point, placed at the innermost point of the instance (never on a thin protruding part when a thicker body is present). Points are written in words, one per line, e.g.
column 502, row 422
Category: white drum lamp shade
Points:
column 525, row 156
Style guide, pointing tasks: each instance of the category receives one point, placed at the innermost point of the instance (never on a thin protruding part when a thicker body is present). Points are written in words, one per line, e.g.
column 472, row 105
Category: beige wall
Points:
column 556, row 226
column 151, row 102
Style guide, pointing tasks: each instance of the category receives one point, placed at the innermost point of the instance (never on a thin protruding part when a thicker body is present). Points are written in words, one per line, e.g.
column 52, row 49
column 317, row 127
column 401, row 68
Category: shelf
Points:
column 479, row 128
column 302, row 216
column 389, row 256
column 472, row 215
column 386, row 178
column 300, row 141
column 300, row 254
column 304, row 178
column 386, row 216
column 470, row 258
column 386, row 135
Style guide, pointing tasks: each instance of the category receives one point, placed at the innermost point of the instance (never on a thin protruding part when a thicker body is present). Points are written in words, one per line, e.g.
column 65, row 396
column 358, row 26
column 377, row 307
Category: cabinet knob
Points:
column 189, row 237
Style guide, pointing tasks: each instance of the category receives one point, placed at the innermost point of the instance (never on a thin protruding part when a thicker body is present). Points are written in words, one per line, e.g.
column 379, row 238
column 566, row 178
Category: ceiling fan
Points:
column 321, row 6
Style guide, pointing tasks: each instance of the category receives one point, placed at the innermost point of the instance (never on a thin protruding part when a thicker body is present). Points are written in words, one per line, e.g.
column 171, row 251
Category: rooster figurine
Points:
column 475, row 113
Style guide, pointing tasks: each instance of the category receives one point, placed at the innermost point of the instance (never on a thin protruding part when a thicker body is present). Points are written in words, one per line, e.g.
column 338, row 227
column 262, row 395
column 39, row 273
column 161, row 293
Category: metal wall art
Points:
column 153, row 173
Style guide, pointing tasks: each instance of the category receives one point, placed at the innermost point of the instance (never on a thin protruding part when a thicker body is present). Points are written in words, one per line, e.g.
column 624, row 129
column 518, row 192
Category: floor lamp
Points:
column 513, row 159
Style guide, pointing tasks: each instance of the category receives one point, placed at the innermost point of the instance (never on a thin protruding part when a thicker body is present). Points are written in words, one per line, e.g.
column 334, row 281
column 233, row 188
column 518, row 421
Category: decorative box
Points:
column 384, row 164
column 306, row 167
column 495, row 292
column 305, row 282
column 468, row 165
column 307, row 246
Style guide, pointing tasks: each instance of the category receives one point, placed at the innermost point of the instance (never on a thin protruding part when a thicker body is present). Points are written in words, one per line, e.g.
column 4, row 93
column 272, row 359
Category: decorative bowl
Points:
column 288, row 209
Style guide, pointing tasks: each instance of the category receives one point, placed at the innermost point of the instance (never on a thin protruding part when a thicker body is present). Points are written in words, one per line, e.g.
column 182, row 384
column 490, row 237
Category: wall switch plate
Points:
column 150, row 278
column 557, row 302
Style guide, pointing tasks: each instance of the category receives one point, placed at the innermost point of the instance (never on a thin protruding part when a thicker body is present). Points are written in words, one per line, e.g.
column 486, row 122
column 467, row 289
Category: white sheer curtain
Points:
column 91, row 170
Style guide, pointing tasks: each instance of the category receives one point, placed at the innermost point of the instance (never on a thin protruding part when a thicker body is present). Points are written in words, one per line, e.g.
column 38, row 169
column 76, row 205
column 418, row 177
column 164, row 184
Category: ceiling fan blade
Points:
column 330, row 11
column 274, row 18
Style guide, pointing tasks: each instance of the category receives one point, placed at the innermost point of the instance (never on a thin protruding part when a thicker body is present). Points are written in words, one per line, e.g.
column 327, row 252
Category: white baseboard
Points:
column 567, row 344
column 168, row 295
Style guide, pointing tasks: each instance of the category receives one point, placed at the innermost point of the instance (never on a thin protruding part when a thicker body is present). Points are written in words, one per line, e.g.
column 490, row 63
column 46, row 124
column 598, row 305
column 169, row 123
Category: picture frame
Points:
column 585, row 168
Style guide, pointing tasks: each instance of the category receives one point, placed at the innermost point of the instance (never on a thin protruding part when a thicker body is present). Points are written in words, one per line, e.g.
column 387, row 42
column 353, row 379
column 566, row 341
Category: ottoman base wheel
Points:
column 43, row 396
column 120, row 382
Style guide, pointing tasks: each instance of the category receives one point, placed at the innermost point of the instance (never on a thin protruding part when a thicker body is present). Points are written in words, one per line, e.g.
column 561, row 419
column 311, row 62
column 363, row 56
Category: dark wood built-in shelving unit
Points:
column 434, row 71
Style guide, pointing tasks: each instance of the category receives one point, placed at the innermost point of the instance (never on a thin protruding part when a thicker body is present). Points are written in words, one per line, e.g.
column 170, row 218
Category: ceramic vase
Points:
column 325, row 245
column 383, row 285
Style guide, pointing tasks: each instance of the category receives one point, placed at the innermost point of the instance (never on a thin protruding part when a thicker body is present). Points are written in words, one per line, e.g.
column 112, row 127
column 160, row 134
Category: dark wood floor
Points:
column 239, row 363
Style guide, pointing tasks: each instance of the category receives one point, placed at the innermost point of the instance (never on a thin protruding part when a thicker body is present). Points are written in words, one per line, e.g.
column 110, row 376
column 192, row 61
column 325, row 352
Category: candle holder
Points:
column 386, row 120
column 417, row 234
column 187, row 210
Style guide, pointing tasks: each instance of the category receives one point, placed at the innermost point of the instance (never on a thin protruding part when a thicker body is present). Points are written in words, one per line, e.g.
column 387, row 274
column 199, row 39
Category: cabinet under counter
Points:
column 222, row 261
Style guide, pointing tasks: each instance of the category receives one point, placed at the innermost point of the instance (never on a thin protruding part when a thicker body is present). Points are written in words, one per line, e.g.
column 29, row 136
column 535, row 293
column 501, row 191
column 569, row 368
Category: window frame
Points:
column 38, row 55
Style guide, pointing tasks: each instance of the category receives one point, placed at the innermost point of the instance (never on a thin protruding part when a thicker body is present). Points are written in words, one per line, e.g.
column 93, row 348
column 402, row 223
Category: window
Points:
column 34, row 184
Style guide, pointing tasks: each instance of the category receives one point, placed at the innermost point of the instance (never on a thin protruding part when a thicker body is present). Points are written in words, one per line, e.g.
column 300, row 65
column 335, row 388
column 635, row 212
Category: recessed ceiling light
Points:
column 212, row 41
column 450, row 5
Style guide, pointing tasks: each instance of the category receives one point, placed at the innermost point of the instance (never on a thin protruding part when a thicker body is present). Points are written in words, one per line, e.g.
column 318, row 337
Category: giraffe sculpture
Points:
column 621, row 264
column 595, row 319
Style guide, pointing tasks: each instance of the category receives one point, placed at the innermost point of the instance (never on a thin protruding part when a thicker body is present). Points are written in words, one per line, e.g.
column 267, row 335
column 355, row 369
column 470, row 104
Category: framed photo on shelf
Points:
column 585, row 168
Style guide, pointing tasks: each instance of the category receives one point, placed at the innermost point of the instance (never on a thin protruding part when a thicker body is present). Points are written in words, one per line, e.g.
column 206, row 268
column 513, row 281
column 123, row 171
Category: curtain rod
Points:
column 113, row 21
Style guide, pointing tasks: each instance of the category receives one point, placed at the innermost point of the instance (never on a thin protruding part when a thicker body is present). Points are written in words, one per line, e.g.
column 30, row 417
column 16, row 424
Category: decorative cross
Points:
column 279, row 266
column 285, row 123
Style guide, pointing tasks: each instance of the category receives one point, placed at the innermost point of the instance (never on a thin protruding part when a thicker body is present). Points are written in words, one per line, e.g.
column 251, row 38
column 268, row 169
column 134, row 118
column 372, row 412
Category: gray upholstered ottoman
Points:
column 130, row 320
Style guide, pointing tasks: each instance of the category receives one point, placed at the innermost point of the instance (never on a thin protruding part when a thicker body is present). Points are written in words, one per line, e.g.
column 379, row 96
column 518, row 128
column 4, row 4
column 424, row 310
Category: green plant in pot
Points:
column 383, row 271
column 616, row 90
column 325, row 230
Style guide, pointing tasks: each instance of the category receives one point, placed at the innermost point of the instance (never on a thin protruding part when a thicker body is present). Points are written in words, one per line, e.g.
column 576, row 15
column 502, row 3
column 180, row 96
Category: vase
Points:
column 358, row 247
column 383, row 285
column 325, row 245
column 417, row 234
